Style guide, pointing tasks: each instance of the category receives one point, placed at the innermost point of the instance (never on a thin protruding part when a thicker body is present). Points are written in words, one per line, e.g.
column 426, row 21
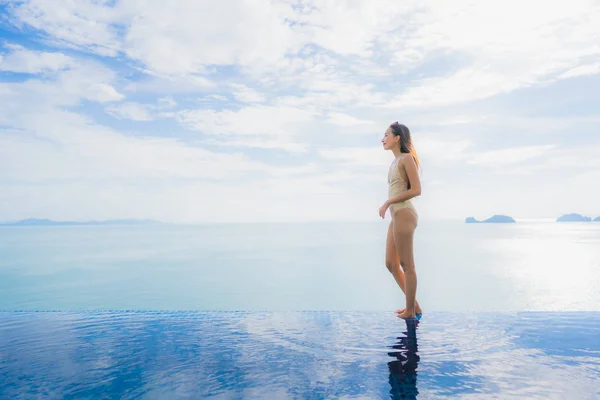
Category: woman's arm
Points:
column 413, row 177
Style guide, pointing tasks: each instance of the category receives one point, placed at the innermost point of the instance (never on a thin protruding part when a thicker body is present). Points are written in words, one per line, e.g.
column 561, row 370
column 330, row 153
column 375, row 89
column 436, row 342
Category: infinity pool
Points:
column 310, row 355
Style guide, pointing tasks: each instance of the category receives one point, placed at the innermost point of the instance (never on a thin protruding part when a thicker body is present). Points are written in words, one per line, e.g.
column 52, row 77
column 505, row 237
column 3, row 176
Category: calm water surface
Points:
column 328, row 266
column 298, row 311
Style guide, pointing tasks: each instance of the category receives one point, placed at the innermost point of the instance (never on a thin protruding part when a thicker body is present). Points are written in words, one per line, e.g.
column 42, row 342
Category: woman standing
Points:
column 404, row 184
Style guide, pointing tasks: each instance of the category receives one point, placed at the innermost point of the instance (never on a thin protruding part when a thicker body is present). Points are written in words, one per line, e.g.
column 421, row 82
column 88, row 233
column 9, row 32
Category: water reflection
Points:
column 403, row 370
column 154, row 354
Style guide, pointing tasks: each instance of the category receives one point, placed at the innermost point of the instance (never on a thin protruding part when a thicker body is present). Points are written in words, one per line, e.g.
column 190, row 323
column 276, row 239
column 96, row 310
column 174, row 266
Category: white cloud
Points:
column 143, row 112
column 582, row 70
column 80, row 23
column 351, row 27
column 320, row 78
column 342, row 119
column 247, row 95
column 68, row 146
column 506, row 121
column 464, row 85
column 71, row 80
column 290, row 146
column 517, row 44
column 181, row 40
column 193, row 35
column 252, row 120
column 507, row 46
column 83, row 80
column 460, row 120
column 358, row 156
column 21, row 59
column 98, row 173
column 166, row 102
column 102, row 93
column 441, row 151
column 217, row 97
column 503, row 157
column 132, row 111
column 165, row 84
column 569, row 159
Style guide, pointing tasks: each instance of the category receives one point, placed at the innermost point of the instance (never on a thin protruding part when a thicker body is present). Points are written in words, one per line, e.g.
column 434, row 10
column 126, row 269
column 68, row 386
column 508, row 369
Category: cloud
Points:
column 247, row 95
column 285, row 102
column 194, row 35
column 293, row 147
column 351, row 27
column 86, row 171
column 582, row 70
column 260, row 126
column 164, row 84
column 503, row 157
column 63, row 145
column 132, row 111
column 327, row 49
column 516, row 45
column 102, row 93
column 166, row 102
column 251, row 120
column 357, row 156
column 441, row 151
column 81, row 24
column 186, row 39
column 21, row 59
column 573, row 159
column 346, row 120
column 82, row 80
column 143, row 112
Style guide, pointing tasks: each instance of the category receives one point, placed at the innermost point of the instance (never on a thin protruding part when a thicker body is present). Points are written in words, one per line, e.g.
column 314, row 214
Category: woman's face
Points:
column 389, row 139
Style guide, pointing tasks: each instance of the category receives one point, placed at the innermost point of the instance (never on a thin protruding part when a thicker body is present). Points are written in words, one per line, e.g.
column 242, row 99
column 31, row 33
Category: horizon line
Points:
column 150, row 221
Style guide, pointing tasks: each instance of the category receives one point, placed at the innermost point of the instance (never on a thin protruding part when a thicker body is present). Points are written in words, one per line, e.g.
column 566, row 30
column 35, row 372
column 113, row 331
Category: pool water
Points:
column 308, row 355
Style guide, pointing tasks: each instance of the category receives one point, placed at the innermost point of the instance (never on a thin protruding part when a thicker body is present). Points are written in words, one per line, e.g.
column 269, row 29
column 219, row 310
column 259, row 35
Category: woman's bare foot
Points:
column 417, row 310
column 406, row 315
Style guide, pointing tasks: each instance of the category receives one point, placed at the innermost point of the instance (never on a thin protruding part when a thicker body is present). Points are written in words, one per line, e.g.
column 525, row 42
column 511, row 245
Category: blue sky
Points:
column 273, row 110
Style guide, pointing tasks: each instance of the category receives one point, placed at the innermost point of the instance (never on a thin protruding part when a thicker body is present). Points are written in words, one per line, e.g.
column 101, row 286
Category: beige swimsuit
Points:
column 398, row 183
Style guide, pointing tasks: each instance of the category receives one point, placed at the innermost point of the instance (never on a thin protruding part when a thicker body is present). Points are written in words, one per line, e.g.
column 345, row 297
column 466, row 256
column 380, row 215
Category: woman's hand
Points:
column 383, row 209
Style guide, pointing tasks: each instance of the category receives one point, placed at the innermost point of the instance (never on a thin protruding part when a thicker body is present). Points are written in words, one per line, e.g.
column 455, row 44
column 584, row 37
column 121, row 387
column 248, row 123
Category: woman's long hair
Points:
column 406, row 145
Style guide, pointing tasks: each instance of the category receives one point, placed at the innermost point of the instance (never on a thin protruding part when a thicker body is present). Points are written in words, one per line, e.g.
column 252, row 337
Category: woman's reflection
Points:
column 403, row 370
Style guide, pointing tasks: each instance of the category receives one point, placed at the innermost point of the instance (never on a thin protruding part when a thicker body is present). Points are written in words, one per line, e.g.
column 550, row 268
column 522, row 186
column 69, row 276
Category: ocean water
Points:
column 282, row 267
column 298, row 311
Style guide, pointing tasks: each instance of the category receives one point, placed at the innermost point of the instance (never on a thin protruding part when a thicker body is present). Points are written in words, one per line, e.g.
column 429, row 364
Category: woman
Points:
column 404, row 184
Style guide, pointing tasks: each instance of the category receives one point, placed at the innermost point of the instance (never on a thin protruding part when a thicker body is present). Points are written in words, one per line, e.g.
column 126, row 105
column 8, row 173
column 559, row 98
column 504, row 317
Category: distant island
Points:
column 574, row 218
column 495, row 219
column 48, row 222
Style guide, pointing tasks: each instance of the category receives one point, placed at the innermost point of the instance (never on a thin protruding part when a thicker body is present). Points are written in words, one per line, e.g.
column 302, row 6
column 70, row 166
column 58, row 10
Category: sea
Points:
column 298, row 311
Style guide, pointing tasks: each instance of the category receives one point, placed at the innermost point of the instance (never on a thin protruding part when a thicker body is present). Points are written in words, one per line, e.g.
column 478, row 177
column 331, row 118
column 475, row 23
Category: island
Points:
column 573, row 218
column 48, row 222
column 597, row 219
column 495, row 219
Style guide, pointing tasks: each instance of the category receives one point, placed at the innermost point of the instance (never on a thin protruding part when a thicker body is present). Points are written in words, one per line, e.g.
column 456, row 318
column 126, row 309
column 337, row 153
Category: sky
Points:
column 258, row 110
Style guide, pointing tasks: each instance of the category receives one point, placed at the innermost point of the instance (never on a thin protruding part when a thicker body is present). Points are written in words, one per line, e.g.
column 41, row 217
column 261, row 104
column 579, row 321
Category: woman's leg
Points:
column 392, row 263
column 404, row 225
